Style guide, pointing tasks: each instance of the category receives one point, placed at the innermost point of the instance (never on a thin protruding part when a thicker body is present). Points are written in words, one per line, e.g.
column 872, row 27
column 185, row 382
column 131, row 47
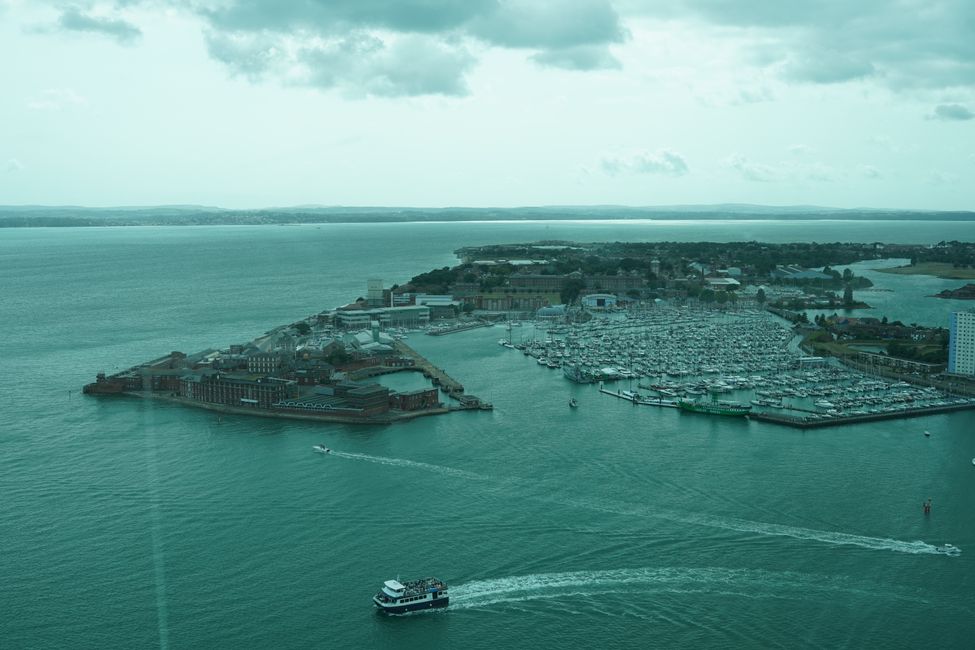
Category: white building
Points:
column 374, row 292
column 961, row 342
column 412, row 316
column 599, row 301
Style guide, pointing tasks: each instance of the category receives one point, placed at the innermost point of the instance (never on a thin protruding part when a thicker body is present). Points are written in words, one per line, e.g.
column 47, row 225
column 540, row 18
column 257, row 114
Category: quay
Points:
column 449, row 385
column 806, row 423
column 636, row 399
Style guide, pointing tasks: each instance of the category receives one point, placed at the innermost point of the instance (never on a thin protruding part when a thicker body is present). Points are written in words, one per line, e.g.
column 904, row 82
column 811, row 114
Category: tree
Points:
column 571, row 289
column 303, row 328
column 848, row 296
column 847, row 275
column 760, row 296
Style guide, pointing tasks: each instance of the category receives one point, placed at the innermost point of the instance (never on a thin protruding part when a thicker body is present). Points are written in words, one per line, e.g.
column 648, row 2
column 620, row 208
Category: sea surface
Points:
column 133, row 524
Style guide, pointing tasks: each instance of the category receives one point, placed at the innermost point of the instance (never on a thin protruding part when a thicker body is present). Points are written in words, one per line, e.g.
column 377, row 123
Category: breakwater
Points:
column 805, row 422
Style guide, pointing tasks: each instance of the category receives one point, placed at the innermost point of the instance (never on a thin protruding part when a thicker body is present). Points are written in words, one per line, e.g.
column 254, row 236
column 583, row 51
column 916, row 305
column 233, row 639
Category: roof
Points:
column 394, row 585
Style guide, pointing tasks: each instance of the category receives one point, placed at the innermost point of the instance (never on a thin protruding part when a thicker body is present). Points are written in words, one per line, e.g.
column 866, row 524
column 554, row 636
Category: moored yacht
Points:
column 398, row 597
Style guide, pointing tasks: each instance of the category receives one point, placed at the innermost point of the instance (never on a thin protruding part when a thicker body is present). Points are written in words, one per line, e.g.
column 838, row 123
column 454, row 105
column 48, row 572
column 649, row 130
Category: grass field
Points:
column 938, row 269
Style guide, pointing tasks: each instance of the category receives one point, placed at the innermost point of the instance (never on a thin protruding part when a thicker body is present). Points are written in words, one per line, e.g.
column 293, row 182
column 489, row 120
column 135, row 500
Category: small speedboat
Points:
column 573, row 403
column 927, row 434
column 322, row 449
column 948, row 549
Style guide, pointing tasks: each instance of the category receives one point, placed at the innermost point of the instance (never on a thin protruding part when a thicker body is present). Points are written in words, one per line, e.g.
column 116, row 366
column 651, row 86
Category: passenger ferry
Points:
column 398, row 598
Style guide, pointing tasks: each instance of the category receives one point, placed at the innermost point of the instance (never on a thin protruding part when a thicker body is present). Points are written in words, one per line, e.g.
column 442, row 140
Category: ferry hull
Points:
column 412, row 607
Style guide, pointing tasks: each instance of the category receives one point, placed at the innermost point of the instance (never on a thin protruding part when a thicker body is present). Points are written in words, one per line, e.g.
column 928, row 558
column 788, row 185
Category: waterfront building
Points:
column 264, row 363
column 722, row 284
column 215, row 388
column 537, row 282
column 961, row 342
column 616, row 283
column 599, row 301
column 415, row 400
column 407, row 316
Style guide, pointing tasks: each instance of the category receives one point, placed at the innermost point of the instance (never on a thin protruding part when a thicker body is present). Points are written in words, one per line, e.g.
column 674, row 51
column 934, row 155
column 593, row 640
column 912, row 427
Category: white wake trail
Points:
column 402, row 462
column 586, row 584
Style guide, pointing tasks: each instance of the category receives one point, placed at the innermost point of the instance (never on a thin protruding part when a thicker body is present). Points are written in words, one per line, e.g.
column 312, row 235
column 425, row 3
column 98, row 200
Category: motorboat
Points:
column 948, row 549
column 322, row 449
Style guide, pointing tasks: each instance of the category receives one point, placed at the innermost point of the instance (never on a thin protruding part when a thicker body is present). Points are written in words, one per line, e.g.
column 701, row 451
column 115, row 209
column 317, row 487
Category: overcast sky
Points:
column 253, row 103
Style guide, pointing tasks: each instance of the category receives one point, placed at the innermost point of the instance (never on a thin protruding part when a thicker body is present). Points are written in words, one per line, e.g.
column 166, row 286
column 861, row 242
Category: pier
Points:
column 460, row 327
column 438, row 377
column 806, row 423
column 636, row 399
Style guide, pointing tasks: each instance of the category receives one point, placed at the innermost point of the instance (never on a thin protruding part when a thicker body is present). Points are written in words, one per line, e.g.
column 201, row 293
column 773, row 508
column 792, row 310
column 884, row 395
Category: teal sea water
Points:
column 134, row 524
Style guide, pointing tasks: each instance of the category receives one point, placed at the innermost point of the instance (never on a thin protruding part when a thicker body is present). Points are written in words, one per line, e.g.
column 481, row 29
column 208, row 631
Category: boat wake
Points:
column 726, row 523
column 763, row 528
column 580, row 585
column 402, row 462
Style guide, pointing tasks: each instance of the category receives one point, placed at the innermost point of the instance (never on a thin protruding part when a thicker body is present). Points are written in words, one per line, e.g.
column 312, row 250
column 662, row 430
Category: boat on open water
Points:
column 401, row 597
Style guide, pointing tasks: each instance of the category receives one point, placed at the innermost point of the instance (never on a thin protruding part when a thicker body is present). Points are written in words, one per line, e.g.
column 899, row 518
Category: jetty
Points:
column 807, row 422
column 636, row 398
column 438, row 377
column 459, row 327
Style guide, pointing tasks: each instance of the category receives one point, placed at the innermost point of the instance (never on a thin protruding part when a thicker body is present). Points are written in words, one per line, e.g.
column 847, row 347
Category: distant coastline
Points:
column 942, row 270
column 192, row 215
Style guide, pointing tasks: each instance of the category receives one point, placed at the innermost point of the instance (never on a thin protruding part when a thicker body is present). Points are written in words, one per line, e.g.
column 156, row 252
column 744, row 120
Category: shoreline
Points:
column 940, row 270
column 402, row 416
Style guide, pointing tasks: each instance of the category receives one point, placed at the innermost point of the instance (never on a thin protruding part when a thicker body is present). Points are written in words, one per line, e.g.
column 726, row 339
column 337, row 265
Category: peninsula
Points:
column 328, row 366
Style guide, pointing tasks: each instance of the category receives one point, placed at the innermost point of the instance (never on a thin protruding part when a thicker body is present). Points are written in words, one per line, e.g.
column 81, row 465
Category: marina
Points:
column 688, row 358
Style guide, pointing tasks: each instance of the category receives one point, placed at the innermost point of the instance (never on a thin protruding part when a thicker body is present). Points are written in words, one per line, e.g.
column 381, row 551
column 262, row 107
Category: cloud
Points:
column 359, row 63
column 751, row 171
column 545, row 24
column 951, row 112
column 901, row 44
column 582, row 57
column 73, row 19
column 827, row 68
column 403, row 47
column 13, row 166
column 663, row 162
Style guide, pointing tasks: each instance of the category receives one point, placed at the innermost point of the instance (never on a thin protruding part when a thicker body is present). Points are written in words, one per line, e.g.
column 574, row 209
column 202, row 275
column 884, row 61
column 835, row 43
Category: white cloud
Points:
column 751, row 171
column 13, row 166
column 662, row 161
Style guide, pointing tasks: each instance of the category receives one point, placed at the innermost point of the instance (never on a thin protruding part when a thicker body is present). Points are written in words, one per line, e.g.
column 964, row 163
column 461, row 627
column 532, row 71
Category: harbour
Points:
column 751, row 356
column 655, row 527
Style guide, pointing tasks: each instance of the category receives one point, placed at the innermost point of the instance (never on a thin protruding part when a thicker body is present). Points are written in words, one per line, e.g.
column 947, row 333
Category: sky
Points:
column 430, row 103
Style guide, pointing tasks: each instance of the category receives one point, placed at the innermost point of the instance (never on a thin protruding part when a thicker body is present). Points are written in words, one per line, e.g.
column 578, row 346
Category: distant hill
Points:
column 197, row 215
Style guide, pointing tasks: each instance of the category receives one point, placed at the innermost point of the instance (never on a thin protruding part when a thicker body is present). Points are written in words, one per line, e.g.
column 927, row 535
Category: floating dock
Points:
column 645, row 401
column 805, row 423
